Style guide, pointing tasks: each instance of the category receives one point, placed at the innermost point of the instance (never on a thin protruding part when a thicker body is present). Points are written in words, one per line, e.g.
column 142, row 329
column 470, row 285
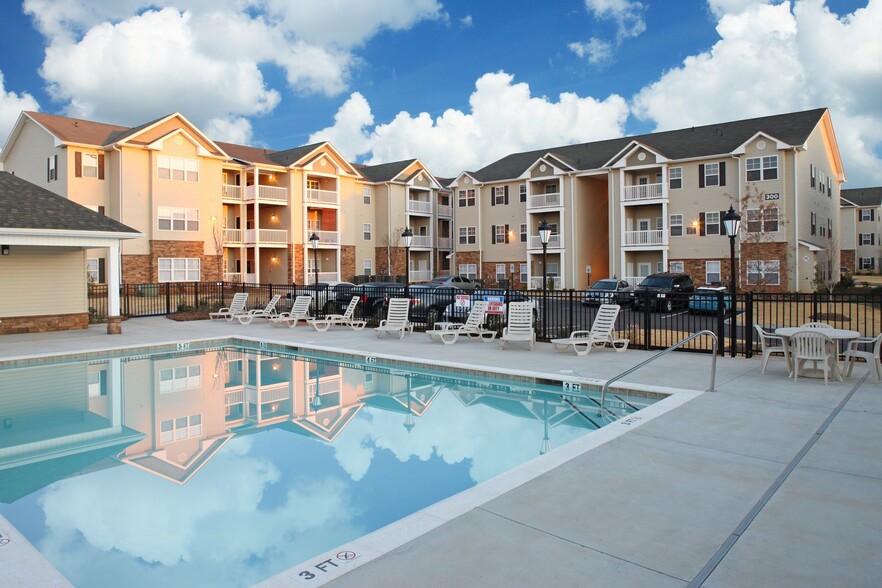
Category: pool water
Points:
column 224, row 467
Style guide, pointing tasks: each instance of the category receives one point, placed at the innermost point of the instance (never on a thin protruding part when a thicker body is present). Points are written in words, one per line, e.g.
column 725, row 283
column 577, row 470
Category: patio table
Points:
column 835, row 334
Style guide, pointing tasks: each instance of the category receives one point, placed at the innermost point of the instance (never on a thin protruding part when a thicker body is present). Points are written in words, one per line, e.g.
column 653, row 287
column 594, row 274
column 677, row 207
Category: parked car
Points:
column 428, row 301
column 460, row 282
column 608, row 291
column 707, row 298
column 664, row 291
column 458, row 311
column 328, row 296
column 374, row 296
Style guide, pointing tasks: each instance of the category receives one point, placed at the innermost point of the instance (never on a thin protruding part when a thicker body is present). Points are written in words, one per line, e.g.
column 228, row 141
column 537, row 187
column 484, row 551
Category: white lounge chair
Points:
column 814, row 346
column 857, row 350
column 520, row 325
column 267, row 312
column 448, row 333
column 772, row 344
column 299, row 312
column 396, row 320
column 236, row 307
column 347, row 319
column 600, row 335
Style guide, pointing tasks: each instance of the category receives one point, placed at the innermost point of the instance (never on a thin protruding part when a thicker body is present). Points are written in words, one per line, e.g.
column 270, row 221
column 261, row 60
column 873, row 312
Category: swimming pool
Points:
column 225, row 466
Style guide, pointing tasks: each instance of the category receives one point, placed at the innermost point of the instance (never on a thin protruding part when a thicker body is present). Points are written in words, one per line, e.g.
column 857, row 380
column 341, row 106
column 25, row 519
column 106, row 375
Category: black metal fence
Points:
column 556, row 313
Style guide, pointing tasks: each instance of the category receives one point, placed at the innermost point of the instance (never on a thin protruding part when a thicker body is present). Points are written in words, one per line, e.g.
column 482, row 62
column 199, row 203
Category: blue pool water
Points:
column 223, row 467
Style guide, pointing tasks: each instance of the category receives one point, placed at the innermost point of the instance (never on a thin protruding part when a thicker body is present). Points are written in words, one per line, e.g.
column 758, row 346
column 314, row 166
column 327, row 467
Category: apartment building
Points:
column 636, row 205
column 860, row 245
column 213, row 210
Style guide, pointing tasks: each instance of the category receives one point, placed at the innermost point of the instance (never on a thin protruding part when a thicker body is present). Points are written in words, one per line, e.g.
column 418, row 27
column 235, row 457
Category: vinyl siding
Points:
column 42, row 280
column 27, row 158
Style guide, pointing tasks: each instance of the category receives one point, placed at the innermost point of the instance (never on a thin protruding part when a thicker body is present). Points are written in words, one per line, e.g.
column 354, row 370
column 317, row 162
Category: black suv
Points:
column 664, row 291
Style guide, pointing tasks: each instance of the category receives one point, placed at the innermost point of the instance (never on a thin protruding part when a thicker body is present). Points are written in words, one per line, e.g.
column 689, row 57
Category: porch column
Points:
column 114, row 320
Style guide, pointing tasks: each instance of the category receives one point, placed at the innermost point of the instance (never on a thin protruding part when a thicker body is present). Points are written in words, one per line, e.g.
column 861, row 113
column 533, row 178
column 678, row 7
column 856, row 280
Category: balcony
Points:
column 230, row 192
column 420, row 275
column 444, row 210
column 421, row 242
column 544, row 200
column 232, row 236
column 445, row 243
column 419, row 206
column 554, row 242
column 266, row 237
column 322, row 276
column 232, row 277
column 271, row 194
column 322, row 197
column 640, row 192
column 555, row 282
column 644, row 238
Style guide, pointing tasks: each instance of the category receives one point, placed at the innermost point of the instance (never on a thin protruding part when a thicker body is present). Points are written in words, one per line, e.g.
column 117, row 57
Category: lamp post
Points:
column 408, row 420
column 546, row 443
column 732, row 222
column 314, row 240
column 406, row 239
column 544, row 236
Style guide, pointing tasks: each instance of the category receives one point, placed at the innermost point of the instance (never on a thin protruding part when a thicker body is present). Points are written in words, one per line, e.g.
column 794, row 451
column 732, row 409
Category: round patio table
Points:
column 835, row 334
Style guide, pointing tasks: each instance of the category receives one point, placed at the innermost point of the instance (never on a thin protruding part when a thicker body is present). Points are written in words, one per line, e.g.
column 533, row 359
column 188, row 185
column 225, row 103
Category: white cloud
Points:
column 466, row 22
column 11, row 105
column 598, row 51
column 774, row 59
column 627, row 14
column 234, row 129
column 504, row 118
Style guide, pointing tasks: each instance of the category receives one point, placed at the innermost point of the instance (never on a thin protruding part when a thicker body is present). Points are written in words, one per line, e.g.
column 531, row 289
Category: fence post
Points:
column 570, row 318
column 195, row 295
column 647, row 319
column 748, row 325
column 721, row 324
column 168, row 298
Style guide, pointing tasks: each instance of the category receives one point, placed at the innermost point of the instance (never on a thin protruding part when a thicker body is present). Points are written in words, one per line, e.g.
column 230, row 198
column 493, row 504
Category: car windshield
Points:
column 604, row 285
column 654, row 282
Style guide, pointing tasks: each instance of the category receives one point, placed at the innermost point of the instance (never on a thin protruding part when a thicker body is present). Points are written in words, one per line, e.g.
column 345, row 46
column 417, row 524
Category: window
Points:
column 676, row 266
column 523, row 192
column 676, row 225
column 868, row 238
column 185, row 377
column 179, row 269
column 500, row 195
column 368, row 267
column 553, row 269
column 466, row 197
column 692, row 229
column 366, row 231
column 500, row 272
column 813, row 172
column 523, row 273
column 675, row 178
column 98, row 383
column 52, row 168
column 711, row 223
column 711, row 174
column 822, row 181
column 762, row 220
column 177, row 168
column 312, row 184
column 813, row 220
column 829, row 188
column 763, row 272
column 90, row 165
column 830, row 228
column 180, row 428
column 95, row 270
column 366, row 194
column 712, row 272
column 467, row 236
column 468, row 270
column 177, row 219
column 500, row 234
column 867, row 214
column 762, row 168
column 523, row 232
column 867, row 263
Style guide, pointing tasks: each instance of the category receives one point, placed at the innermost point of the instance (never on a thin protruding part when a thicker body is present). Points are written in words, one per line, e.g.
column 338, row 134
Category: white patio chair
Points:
column 236, row 307
column 857, row 350
column 773, row 344
column 396, row 320
column 520, row 325
column 814, row 346
column 815, row 325
column 449, row 333
column 299, row 312
column 600, row 335
column 347, row 319
column 267, row 312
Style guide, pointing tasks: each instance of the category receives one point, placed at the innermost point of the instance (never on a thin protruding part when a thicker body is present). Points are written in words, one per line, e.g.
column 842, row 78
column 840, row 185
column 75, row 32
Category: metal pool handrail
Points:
column 659, row 354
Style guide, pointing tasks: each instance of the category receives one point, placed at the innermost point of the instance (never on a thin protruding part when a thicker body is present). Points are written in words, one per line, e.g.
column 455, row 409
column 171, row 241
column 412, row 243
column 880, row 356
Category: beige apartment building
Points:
column 210, row 210
column 859, row 242
column 637, row 205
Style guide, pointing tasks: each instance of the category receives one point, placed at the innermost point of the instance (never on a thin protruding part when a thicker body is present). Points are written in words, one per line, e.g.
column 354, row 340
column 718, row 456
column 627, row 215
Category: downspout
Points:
column 388, row 228
column 118, row 150
column 796, row 215
column 573, row 279
column 480, row 235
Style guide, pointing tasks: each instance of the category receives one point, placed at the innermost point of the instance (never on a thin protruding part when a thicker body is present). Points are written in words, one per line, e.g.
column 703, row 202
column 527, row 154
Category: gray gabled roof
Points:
column 863, row 196
column 24, row 205
column 695, row 142
column 385, row 172
column 294, row 155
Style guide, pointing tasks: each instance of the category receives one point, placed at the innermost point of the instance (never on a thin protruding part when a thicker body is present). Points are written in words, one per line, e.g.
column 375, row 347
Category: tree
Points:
column 392, row 243
column 826, row 276
column 218, row 235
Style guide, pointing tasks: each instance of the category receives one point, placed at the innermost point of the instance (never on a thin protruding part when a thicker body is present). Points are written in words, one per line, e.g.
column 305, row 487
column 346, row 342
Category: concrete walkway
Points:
column 763, row 482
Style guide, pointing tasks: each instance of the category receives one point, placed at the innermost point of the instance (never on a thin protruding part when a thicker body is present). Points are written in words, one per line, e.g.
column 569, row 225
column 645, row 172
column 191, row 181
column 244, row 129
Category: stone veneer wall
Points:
column 847, row 259
column 767, row 251
column 298, row 277
column 488, row 270
column 44, row 323
column 136, row 269
column 468, row 257
column 182, row 249
column 347, row 263
column 397, row 254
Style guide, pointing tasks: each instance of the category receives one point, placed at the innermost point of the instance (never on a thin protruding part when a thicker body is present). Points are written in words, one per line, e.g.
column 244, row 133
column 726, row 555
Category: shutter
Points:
column 101, row 275
column 701, row 176
column 493, row 234
column 101, row 211
column 723, row 226
column 506, row 202
column 872, row 214
column 812, row 173
column 701, row 222
column 55, row 158
column 507, row 240
column 100, row 166
column 492, row 196
column 78, row 164
column 872, row 238
column 722, row 173
column 49, row 169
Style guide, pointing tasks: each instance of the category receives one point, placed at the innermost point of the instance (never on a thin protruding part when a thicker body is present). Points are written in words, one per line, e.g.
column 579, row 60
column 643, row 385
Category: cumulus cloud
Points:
column 503, row 118
column 466, row 22
column 11, row 105
column 596, row 50
column 627, row 14
column 812, row 67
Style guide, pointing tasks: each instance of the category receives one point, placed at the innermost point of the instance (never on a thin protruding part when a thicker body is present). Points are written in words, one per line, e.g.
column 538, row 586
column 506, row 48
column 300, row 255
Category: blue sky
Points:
column 456, row 83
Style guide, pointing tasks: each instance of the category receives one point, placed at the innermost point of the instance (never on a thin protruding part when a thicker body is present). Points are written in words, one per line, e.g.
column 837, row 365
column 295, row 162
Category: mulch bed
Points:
column 188, row 316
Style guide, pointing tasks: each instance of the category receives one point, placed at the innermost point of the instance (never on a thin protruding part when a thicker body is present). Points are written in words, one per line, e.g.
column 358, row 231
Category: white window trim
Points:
column 708, row 174
column 708, row 272
column 177, row 169
column 672, row 177
column 190, row 266
column 367, row 231
column 182, row 377
column 173, row 214
column 716, row 224
column 676, row 266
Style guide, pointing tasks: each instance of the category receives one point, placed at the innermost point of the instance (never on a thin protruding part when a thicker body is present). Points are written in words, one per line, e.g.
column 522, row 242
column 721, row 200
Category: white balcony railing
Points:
column 323, row 196
column 232, row 236
column 232, row 277
column 420, row 275
column 555, row 282
column 554, row 242
column 544, row 200
column 445, row 243
column 639, row 238
column 266, row 236
column 643, row 192
column 230, row 192
column 275, row 194
column 634, row 280
column 444, row 210
column 322, row 277
column 326, row 237
column 420, row 206
column 421, row 241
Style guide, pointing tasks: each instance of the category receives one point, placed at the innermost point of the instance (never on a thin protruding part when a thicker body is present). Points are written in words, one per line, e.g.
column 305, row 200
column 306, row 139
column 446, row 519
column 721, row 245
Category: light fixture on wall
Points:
column 273, row 216
column 4, row 249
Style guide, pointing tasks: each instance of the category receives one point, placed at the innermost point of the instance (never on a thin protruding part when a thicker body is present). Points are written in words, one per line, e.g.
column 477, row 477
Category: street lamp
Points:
column 544, row 236
column 408, row 420
column 406, row 239
column 546, row 443
column 314, row 240
column 732, row 223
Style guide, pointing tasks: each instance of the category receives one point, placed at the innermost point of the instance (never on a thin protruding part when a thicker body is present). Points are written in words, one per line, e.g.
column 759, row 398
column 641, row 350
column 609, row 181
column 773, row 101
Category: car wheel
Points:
column 328, row 308
column 432, row 316
column 668, row 306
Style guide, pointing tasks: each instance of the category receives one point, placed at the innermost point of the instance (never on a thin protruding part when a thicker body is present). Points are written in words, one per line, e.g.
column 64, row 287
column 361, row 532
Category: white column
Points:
column 115, row 392
column 112, row 274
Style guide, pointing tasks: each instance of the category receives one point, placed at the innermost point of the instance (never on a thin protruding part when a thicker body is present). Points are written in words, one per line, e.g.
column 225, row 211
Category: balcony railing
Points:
column 420, row 275
column 325, row 237
column 232, row 236
column 554, row 242
column 230, row 192
column 421, row 241
column 544, row 200
column 322, row 277
column 445, row 243
column 323, row 196
column 639, row 238
column 643, row 192
column 232, row 277
column 444, row 210
column 420, row 206
column 274, row 194
column 555, row 282
column 266, row 236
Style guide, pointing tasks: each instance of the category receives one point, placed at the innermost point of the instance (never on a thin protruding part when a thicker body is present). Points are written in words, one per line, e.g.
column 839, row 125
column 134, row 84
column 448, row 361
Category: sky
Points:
column 457, row 84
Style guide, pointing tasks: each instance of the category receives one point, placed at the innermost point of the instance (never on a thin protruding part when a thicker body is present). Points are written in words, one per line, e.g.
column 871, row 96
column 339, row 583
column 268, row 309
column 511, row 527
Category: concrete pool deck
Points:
column 764, row 482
